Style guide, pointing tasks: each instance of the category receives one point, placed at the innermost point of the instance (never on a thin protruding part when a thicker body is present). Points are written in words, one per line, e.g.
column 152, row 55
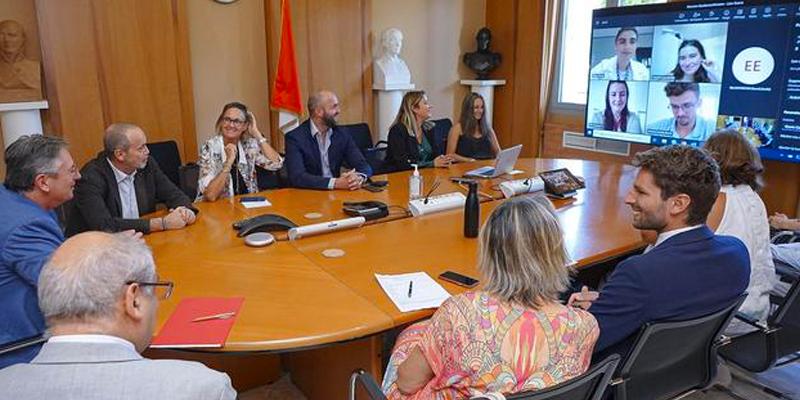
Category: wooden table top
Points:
column 295, row 297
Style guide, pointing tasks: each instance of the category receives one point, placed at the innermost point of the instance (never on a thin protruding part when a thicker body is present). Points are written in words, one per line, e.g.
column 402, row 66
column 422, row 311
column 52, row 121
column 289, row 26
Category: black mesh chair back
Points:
column 672, row 358
column 591, row 385
column 360, row 134
column 168, row 158
column 188, row 175
column 374, row 154
column 760, row 350
column 440, row 132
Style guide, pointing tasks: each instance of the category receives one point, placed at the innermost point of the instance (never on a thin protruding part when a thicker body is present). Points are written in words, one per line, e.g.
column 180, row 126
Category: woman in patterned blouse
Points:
column 512, row 335
column 228, row 160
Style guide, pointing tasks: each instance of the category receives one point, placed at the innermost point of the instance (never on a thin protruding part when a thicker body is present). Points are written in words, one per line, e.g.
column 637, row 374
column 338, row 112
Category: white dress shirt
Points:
column 663, row 236
column 127, row 192
column 324, row 143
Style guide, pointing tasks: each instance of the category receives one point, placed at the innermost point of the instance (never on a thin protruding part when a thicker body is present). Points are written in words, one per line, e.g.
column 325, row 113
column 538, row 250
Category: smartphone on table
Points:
column 458, row 279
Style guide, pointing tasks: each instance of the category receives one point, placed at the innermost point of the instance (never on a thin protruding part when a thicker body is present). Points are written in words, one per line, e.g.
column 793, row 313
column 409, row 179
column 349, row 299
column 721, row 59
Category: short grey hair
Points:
column 314, row 101
column 116, row 137
column 30, row 156
column 521, row 252
column 89, row 287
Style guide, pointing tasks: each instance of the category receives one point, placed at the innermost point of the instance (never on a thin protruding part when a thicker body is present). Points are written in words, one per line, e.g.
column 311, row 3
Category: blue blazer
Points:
column 28, row 235
column 688, row 275
column 303, row 161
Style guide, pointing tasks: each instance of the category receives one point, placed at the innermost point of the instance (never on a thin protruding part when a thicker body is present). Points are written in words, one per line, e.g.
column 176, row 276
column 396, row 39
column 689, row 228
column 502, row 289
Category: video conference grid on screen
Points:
column 675, row 73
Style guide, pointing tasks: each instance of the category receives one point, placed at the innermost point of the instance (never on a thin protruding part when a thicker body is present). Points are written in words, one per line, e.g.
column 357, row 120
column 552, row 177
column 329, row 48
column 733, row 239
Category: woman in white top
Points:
column 740, row 212
column 228, row 160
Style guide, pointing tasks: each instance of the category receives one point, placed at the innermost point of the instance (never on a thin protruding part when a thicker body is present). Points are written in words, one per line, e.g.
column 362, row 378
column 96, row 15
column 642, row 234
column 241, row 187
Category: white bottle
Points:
column 414, row 184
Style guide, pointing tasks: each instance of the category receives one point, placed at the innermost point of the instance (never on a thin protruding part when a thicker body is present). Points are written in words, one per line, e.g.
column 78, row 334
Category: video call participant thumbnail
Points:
column 616, row 116
column 684, row 101
column 622, row 65
column 693, row 66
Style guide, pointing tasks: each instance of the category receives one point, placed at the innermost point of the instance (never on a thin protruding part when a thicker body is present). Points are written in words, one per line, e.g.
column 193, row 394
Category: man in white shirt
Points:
column 99, row 295
column 622, row 66
column 684, row 101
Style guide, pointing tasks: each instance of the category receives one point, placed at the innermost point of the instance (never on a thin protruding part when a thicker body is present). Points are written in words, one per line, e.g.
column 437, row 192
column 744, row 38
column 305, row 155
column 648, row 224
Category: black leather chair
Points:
column 440, row 132
column 168, row 158
column 672, row 359
column 773, row 344
column 588, row 386
column 374, row 154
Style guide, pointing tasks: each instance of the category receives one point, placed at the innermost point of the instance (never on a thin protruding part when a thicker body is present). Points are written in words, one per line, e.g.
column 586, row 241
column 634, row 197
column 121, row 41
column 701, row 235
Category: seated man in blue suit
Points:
column 316, row 150
column 689, row 271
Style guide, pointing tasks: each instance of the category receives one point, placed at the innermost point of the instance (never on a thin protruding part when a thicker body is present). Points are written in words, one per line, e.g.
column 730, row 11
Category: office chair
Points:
column 374, row 154
column 773, row 344
column 588, row 386
column 168, row 158
column 672, row 359
column 440, row 132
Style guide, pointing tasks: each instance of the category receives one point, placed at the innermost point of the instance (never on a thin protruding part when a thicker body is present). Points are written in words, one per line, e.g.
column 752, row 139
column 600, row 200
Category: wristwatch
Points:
column 262, row 140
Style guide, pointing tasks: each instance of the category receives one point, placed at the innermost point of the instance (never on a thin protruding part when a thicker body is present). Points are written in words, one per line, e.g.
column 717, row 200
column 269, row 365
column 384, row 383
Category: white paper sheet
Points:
column 425, row 293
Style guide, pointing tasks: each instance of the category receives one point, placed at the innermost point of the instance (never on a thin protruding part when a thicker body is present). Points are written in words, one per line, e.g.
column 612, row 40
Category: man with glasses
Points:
column 684, row 100
column 122, row 184
column 40, row 177
column 99, row 295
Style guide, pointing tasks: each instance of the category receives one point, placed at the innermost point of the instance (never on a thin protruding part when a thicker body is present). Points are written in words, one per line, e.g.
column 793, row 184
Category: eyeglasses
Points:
column 684, row 107
column 161, row 289
column 235, row 122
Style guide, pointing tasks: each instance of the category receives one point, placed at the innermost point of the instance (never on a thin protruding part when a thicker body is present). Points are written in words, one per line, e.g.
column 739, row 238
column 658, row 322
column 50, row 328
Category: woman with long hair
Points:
column 411, row 139
column 511, row 335
column 472, row 137
column 693, row 66
column 616, row 116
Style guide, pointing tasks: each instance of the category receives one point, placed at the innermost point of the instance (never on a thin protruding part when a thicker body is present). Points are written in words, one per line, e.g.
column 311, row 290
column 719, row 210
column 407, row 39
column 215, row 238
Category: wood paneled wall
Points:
column 517, row 34
column 333, row 52
column 117, row 61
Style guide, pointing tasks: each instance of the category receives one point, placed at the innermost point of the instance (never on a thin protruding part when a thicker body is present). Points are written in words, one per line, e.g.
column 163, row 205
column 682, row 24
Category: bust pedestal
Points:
column 21, row 119
column 485, row 88
column 387, row 103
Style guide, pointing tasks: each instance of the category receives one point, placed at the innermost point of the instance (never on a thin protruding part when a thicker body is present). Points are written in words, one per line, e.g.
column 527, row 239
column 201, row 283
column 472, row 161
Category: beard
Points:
column 329, row 120
column 649, row 221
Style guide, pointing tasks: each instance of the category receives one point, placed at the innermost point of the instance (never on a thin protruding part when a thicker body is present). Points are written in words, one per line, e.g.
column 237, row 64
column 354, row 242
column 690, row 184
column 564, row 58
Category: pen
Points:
column 224, row 315
column 410, row 286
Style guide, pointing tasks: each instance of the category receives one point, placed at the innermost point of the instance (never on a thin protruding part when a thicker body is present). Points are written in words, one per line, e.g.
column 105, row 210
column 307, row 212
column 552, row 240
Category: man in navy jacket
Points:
column 316, row 150
column 688, row 272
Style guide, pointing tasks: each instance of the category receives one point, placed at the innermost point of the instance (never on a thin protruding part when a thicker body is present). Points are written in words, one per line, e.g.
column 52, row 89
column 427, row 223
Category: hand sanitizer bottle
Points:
column 414, row 184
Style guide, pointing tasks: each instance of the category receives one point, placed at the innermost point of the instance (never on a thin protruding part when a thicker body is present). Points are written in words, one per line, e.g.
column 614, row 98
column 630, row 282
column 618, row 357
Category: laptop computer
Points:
column 503, row 164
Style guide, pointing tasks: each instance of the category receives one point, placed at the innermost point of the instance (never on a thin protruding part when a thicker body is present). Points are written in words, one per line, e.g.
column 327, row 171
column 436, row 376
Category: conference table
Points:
column 316, row 309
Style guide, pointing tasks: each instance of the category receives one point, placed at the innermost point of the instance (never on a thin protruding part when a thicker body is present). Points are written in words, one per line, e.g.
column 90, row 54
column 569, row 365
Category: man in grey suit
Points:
column 99, row 295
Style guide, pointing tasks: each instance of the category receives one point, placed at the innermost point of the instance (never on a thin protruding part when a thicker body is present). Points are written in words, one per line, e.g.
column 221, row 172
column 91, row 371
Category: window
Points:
column 576, row 28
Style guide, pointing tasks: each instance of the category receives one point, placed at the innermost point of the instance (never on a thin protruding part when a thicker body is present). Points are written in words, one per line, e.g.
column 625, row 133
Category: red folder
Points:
column 180, row 330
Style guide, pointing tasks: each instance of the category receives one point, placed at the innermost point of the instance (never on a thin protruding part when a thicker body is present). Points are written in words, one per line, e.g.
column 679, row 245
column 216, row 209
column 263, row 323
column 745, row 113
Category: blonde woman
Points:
column 511, row 336
column 229, row 159
column 411, row 138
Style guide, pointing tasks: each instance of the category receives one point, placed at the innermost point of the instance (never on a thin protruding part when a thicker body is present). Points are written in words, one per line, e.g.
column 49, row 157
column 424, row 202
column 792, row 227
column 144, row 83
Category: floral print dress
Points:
column 476, row 344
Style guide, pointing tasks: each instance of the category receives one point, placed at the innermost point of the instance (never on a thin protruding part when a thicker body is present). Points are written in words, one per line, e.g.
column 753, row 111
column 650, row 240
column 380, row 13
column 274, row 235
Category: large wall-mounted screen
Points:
column 676, row 72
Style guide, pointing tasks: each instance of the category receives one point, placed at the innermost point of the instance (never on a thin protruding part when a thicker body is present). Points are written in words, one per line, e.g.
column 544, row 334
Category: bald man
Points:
column 20, row 78
column 316, row 150
column 99, row 294
column 122, row 184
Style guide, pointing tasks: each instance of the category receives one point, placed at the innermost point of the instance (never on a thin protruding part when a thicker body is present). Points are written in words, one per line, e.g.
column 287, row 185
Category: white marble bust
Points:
column 389, row 69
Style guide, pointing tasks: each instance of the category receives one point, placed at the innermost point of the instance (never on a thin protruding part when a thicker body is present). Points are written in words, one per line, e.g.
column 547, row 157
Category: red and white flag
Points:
column 286, row 87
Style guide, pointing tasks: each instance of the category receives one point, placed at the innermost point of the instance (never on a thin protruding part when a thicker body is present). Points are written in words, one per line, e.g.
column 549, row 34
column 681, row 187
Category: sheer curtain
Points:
column 549, row 58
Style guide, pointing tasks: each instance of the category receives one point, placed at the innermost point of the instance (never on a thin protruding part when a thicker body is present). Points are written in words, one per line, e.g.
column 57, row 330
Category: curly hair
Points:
column 683, row 169
column 738, row 160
